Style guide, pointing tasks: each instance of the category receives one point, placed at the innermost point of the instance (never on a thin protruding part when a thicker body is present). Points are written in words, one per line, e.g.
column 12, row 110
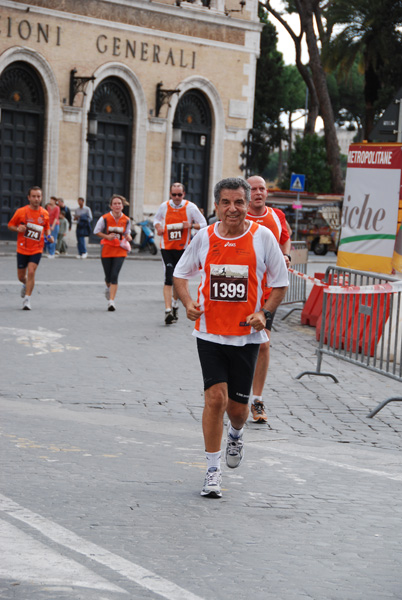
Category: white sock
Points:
column 235, row 433
column 213, row 459
column 257, row 399
column 175, row 303
column 168, row 310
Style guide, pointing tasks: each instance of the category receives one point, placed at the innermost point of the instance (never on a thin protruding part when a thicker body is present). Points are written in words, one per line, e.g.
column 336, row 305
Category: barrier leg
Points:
column 318, row 370
column 290, row 312
column 317, row 373
column 381, row 405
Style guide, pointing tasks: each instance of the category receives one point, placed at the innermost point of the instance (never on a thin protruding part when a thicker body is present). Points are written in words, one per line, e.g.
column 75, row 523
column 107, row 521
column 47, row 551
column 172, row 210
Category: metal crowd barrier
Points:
column 296, row 291
column 362, row 325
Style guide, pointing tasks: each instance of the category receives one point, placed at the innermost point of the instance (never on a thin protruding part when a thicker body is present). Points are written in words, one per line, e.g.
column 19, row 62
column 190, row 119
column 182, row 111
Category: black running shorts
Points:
column 170, row 259
column 233, row 365
column 24, row 259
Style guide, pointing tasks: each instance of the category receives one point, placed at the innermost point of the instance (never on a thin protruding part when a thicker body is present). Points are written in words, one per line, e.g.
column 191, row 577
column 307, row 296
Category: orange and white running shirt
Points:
column 172, row 217
column 108, row 224
column 32, row 240
column 232, row 281
column 269, row 219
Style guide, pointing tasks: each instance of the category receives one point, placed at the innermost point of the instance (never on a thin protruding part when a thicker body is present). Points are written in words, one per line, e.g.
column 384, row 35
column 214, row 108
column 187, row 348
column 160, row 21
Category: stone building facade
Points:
column 124, row 96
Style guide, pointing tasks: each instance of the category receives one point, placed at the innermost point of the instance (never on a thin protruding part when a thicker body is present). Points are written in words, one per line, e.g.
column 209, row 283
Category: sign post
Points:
column 297, row 183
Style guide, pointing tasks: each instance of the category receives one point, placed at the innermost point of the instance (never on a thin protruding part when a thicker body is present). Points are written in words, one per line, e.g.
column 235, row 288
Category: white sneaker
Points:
column 110, row 306
column 234, row 450
column 212, row 483
column 78, row 256
column 51, row 256
column 107, row 293
column 23, row 290
column 26, row 303
column 84, row 255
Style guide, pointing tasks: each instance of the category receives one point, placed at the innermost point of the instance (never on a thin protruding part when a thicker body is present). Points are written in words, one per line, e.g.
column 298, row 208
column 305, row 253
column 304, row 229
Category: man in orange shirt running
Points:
column 173, row 223
column 31, row 222
column 234, row 258
column 276, row 222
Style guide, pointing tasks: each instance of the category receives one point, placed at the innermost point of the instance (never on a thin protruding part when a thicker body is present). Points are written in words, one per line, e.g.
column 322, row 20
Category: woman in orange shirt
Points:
column 114, row 230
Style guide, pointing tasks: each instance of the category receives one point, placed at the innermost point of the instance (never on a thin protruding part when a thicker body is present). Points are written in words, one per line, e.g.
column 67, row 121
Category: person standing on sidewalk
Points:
column 31, row 222
column 54, row 214
column 275, row 221
column 114, row 229
column 63, row 206
column 173, row 223
column 83, row 216
column 234, row 257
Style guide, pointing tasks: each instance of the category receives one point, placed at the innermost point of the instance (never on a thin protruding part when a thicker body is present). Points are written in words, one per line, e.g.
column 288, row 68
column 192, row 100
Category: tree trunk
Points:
column 306, row 10
column 290, row 131
column 280, row 162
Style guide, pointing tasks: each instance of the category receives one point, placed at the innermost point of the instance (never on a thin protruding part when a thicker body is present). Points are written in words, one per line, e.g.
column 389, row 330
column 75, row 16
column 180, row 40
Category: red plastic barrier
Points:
column 350, row 330
column 312, row 309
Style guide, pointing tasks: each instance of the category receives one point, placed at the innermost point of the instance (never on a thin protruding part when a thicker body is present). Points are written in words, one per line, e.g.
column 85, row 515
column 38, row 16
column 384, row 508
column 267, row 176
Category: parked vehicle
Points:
column 144, row 231
column 318, row 221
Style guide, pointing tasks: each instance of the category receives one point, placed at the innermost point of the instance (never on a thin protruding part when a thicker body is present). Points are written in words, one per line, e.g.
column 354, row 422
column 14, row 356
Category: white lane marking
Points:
column 68, row 539
column 41, row 340
column 26, row 559
column 334, row 463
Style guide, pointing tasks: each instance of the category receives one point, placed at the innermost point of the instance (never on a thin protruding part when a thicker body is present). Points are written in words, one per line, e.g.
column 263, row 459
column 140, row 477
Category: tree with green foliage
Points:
column 371, row 34
column 267, row 130
column 309, row 158
column 311, row 21
column 293, row 96
column 346, row 91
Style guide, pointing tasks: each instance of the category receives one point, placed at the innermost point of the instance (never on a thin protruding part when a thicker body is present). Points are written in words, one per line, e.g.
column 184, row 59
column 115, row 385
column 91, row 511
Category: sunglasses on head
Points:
column 173, row 195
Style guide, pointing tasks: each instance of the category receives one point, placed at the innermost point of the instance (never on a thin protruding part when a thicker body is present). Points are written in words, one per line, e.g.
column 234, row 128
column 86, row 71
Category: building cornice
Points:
column 186, row 12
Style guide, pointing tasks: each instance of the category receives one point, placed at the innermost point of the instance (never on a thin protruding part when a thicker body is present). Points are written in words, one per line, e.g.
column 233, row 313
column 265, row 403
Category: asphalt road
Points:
column 102, row 458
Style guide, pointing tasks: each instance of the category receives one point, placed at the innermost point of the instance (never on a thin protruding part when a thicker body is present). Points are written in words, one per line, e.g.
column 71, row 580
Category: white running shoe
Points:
column 212, row 483
column 107, row 293
column 110, row 306
column 78, row 256
column 85, row 255
column 23, row 290
column 26, row 303
column 234, row 450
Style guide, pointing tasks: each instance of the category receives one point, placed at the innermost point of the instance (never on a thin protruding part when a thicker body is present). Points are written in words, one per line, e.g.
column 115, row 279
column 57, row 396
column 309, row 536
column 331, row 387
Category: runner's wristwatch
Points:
column 268, row 318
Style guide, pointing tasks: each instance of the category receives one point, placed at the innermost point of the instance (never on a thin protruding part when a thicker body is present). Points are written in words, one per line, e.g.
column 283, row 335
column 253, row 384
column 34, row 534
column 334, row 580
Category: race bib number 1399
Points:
column 229, row 283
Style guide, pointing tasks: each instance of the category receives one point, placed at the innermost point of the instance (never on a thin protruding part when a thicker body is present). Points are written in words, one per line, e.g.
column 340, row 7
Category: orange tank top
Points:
column 231, row 288
column 174, row 236
column 269, row 219
column 111, row 248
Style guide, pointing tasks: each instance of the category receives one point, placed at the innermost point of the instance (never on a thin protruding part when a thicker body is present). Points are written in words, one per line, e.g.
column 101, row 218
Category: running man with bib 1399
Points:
column 234, row 257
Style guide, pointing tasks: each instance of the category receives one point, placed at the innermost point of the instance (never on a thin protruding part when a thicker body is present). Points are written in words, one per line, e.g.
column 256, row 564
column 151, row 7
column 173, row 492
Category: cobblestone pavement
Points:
column 102, row 458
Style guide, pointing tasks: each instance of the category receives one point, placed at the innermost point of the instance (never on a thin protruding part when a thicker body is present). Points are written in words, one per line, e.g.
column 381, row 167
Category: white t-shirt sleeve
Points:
column 160, row 214
column 197, row 216
column 189, row 264
column 100, row 226
column 277, row 273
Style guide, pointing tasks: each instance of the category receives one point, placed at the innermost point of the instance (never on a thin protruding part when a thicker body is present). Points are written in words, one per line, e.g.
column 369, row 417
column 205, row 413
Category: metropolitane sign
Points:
column 370, row 207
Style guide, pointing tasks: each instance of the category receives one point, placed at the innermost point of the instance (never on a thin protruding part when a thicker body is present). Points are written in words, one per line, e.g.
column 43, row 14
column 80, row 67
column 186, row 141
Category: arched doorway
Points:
column 21, row 138
column 191, row 146
column 110, row 142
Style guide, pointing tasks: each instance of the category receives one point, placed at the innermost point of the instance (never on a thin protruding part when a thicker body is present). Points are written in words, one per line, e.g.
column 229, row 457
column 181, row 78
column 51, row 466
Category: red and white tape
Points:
column 377, row 288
